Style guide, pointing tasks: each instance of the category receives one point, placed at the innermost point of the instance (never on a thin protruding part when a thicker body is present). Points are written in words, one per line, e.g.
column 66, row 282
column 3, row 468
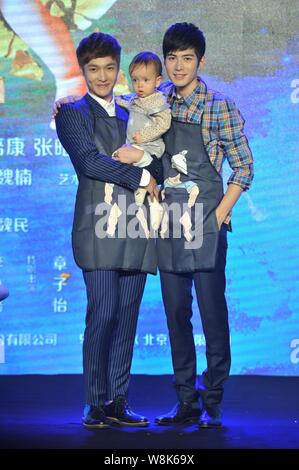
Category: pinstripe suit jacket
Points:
column 82, row 134
column 75, row 130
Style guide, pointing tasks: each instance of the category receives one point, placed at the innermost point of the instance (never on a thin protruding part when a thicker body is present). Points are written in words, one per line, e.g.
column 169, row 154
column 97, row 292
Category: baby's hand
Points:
column 137, row 138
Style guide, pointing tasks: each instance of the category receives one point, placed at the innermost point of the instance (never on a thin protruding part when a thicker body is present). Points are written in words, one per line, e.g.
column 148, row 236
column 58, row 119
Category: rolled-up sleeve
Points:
column 235, row 144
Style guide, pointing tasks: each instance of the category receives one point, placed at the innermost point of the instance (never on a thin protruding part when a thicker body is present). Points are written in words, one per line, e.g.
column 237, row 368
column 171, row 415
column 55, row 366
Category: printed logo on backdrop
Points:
column 59, row 303
column 294, row 356
column 26, row 340
column 295, row 93
column 2, row 349
column 157, row 340
column 42, row 147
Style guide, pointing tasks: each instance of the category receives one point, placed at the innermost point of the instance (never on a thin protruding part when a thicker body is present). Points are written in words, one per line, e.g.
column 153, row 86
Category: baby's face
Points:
column 145, row 80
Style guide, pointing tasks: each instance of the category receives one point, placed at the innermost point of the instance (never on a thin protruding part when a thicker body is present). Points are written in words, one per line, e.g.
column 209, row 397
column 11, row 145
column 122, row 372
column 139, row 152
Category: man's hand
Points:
column 220, row 216
column 128, row 154
column 228, row 201
column 137, row 138
column 152, row 189
column 66, row 99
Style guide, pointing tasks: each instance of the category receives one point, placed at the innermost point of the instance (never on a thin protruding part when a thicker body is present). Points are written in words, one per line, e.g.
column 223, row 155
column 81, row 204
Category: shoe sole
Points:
column 186, row 421
column 122, row 423
column 96, row 426
column 205, row 425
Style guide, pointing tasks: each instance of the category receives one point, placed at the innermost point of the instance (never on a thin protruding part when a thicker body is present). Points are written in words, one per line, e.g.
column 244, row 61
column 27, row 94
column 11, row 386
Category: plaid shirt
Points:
column 222, row 129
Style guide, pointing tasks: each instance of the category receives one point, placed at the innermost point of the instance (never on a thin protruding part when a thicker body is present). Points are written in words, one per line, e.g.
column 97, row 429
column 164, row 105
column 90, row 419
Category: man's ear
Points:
column 202, row 62
column 159, row 80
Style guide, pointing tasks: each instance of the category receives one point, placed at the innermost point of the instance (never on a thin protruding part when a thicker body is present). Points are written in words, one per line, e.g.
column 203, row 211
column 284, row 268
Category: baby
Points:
column 149, row 118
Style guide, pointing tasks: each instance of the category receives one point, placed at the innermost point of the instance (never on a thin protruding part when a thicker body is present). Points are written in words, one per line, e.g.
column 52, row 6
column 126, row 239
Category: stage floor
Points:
column 44, row 412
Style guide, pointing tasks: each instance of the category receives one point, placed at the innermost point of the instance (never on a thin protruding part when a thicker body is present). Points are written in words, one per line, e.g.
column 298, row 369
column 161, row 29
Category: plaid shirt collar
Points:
column 197, row 97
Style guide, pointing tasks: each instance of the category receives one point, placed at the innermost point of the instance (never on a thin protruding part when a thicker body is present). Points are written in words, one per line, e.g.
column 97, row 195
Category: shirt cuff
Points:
column 145, row 160
column 145, row 178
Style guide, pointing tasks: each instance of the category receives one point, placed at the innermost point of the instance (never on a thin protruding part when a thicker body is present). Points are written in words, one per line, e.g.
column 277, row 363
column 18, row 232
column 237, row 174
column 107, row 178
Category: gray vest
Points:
column 104, row 235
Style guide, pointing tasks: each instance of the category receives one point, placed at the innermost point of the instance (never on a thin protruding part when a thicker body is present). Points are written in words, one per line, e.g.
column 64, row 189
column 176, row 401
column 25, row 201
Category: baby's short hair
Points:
column 146, row 58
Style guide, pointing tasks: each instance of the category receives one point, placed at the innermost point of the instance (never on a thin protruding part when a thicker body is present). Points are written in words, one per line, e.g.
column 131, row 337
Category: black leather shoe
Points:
column 119, row 412
column 94, row 417
column 211, row 418
column 182, row 413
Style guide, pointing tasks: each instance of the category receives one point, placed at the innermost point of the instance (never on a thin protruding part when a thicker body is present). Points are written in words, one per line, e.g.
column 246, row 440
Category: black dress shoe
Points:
column 94, row 417
column 211, row 418
column 119, row 412
column 182, row 413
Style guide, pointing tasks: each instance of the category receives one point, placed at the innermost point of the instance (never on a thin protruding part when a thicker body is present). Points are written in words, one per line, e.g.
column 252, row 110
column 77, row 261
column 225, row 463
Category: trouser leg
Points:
column 210, row 291
column 177, row 298
column 102, row 305
column 131, row 287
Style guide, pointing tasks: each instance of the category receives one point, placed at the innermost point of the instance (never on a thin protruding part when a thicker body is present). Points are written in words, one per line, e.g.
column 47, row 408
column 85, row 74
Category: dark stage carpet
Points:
column 44, row 412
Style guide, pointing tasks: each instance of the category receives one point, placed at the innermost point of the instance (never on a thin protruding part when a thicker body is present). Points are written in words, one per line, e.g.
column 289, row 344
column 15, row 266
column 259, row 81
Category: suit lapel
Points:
column 96, row 108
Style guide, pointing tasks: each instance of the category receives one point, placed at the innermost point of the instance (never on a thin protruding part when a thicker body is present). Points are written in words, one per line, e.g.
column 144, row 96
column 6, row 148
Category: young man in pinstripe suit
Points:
column 114, row 267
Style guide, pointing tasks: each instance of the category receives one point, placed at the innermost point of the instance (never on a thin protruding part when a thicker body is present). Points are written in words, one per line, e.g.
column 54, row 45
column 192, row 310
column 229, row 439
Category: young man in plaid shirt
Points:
column 207, row 127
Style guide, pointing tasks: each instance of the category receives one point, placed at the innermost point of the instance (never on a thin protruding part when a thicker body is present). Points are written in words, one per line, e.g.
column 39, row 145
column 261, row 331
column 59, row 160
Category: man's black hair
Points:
column 98, row 45
column 182, row 36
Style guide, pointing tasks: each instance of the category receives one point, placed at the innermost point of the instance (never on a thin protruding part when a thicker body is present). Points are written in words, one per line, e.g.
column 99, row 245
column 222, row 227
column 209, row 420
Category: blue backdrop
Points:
column 252, row 56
